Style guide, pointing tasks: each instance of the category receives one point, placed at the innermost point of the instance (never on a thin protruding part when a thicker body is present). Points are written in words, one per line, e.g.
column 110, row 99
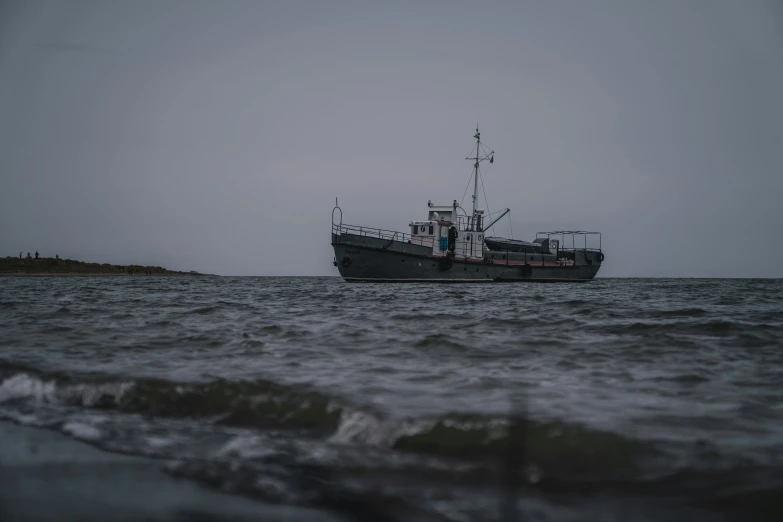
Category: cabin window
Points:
column 432, row 229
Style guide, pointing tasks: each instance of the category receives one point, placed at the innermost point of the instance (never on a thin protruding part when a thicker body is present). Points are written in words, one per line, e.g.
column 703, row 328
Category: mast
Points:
column 473, row 224
column 475, row 179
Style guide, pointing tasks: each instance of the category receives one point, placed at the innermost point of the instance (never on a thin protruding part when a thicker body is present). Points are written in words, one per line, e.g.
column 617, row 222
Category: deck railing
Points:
column 387, row 235
column 573, row 235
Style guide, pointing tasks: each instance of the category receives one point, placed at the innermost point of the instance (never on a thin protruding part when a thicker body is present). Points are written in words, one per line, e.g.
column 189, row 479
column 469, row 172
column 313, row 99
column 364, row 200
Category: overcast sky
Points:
column 215, row 135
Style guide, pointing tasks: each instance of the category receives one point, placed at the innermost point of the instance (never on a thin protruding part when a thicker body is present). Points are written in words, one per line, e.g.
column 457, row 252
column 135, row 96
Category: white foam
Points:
column 158, row 442
column 25, row 419
column 357, row 427
column 246, row 446
column 89, row 395
column 22, row 386
column 271, row 486
column 82, row 431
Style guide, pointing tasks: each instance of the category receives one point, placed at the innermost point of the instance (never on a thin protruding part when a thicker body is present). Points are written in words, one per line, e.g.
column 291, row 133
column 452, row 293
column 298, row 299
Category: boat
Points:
column 450, row 246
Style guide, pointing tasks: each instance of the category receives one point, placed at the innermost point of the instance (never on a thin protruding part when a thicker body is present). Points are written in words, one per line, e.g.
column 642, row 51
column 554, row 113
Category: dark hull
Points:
column 364, row 259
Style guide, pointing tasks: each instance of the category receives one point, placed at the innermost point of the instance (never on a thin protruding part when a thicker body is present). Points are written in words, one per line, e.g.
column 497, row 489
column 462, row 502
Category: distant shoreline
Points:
column 57, row 267
column 77, row 274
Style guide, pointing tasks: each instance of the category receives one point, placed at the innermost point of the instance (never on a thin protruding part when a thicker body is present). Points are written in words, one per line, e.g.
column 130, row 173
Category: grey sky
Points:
column 215, row 135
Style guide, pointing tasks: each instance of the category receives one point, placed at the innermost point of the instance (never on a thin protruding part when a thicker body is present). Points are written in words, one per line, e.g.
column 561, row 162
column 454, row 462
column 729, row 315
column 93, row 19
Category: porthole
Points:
column 467, row 237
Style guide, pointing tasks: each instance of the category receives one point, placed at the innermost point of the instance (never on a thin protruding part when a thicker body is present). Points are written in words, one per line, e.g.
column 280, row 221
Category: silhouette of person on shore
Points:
column 29, row 256
column 20, row 255
column 36, row 254
column 57, row 256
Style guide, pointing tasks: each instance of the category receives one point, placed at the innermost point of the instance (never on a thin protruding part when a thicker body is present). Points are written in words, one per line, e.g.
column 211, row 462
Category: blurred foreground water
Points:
column 314, row 399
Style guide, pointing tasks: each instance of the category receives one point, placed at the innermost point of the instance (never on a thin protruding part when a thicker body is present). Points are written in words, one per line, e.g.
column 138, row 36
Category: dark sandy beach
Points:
column 47, row 476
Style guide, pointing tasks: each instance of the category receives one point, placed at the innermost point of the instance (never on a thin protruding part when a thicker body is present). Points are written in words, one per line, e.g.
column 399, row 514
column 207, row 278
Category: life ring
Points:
column 601, row 257
column 527, row 270
column 346, row 261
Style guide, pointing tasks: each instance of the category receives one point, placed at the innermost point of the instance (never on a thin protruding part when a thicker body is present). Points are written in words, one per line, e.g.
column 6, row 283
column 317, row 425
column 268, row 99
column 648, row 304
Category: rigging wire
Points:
column 510, row 228
column 485, row 198
column 461, row 201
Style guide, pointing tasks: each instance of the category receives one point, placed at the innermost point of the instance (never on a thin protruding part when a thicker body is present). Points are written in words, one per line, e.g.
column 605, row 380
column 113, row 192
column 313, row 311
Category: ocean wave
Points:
column 557, row 447
column 441, row 341
column 554, row 448
column 713, row 327
column 258, row 403
column 683, row 312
